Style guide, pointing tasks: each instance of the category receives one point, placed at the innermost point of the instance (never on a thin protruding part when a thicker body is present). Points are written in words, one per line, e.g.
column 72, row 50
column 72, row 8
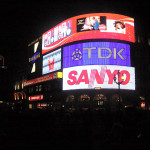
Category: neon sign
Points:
column 41, row 79
column 96, row 53
column 90, row 77
column 34, row 57
column 89, row 26
column 51, row 62
column 35, row 98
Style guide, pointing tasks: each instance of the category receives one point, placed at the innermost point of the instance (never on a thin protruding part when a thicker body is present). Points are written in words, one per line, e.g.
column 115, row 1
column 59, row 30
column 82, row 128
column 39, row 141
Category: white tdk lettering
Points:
column 89, row 51
column 105, row 48
column 120, row 54
column 99, row 52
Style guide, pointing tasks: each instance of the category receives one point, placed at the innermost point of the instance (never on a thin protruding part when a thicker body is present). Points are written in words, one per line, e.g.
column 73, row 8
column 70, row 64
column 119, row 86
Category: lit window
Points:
column 30, row 106
column 30, row 89
column 100, row 97
column 70, row 98
column 138, row 39
column 36, row 88
column 84, row 98
column 100, row 103
column 22, row 85
column 18, row 87
column 40, row 88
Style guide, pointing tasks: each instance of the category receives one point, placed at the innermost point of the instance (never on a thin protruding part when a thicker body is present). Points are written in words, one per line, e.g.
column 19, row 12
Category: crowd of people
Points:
column 99, row 130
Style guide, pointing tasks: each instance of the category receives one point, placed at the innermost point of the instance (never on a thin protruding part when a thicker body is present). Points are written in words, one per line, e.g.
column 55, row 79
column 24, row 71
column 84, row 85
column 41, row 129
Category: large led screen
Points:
column 89, row 26
column 98, row 76
column 51, row 62
column 96, row 53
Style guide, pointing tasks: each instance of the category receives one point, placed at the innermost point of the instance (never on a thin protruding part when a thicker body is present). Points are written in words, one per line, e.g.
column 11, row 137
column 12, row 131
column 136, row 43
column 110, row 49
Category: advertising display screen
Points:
column 96, row 53
column 51, row 62
column 35, row 98
column 98, row 76
column 35, row 59
column 89, row 26
column 41, row 79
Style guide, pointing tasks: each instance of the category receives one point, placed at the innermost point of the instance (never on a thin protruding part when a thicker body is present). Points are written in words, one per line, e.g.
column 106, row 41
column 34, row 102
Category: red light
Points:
column 89, row 26
column 36, row 98
column 143, row 105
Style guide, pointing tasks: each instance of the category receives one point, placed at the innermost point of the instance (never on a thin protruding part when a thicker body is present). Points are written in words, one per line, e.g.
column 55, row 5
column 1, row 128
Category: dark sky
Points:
column 24, row 21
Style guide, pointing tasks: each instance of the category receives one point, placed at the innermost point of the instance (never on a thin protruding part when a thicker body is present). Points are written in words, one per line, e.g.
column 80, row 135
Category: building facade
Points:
column 85, row 62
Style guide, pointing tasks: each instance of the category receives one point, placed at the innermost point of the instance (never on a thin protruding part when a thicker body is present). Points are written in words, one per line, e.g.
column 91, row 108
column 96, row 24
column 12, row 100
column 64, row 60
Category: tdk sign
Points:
column 96, row 53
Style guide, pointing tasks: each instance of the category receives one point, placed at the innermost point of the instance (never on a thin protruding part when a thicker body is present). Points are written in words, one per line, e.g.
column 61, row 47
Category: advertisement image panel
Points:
column 96, row 53
column 101, row 23
column 51, row 62
column 35, row 59
column 89, row 26
column 55, row 37
column 98, row 76
column 91, row 23
column 35, row 98
column 41, row 79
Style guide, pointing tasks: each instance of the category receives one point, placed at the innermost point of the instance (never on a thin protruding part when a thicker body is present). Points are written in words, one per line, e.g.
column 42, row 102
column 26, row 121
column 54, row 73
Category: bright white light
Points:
column 94, row 76
column 33, row 68
column 36, row 46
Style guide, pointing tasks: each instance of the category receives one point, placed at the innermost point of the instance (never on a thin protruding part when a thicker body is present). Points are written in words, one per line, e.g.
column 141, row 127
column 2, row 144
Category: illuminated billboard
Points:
column 35, row 98
column 35, row 59
column 89, row 26
column 96, row 53
column 98, row 76
column 42, row 79
column 51, row 62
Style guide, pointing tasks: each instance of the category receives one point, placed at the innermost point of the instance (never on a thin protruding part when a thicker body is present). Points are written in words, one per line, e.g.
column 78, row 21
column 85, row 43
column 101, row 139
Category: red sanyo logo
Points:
column 98, row 76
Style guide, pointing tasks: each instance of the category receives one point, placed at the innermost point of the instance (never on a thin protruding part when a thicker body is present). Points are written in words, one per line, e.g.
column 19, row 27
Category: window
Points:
column 116, row 98
column 40, row 88
column 70, row 98
column 18, row 87
column 84, row 97
column 100, row 103
column 15, row 87
column 99, row 97
column 22, row 85
column 31, row 90
column 48, row 88
column 37, row 88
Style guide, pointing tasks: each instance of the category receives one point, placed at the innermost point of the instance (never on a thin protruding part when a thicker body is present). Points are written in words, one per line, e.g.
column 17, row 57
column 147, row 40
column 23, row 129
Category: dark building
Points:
column 3, row 80
column 93, row 52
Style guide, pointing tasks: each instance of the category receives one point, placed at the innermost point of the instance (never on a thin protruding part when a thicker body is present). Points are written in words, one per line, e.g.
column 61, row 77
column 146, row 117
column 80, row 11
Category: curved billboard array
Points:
column 89, row 64
column 89, row 26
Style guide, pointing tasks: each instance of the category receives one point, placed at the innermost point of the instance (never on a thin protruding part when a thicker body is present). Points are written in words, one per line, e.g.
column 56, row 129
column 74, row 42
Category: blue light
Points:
column 97, row 53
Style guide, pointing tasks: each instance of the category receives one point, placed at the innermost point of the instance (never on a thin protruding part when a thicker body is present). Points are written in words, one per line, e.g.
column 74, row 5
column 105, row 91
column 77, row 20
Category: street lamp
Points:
column 121, row 79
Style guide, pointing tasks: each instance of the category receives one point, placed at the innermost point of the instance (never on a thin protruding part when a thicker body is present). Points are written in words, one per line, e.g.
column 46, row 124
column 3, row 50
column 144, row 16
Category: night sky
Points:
column 24, row 21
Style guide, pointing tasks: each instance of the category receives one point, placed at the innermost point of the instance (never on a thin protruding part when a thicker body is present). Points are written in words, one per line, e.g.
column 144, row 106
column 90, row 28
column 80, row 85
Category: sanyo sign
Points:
column 93, row 76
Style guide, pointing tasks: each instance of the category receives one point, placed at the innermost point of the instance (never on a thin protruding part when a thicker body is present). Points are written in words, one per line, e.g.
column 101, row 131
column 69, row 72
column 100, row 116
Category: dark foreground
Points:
column 40, row 130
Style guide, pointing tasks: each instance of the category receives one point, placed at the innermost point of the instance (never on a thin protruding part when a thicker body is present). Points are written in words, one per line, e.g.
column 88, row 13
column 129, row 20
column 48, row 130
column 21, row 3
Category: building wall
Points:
column 52, row 90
